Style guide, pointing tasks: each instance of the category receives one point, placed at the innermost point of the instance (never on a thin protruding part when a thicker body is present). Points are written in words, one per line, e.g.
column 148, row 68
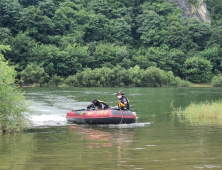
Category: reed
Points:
column 201, row 111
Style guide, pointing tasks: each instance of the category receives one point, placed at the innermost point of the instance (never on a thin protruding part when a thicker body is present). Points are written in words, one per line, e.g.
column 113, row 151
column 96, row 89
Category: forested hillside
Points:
column 59, row 38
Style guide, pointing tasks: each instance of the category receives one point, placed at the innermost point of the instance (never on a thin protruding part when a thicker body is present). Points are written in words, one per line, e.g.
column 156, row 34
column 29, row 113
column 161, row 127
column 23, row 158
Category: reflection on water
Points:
column 101, row 138
column 15, row 151
column 169, row 145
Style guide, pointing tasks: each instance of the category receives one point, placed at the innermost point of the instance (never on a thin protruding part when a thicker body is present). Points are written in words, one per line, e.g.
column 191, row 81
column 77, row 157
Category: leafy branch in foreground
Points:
column 12, row 101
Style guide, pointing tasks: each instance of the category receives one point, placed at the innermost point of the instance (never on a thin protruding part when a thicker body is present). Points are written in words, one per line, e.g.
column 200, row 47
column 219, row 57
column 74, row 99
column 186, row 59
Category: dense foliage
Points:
column 60, row 38
column 217, row 81
column 12, row 101
column 135, row 77
column 198, row 70
column 104, row 77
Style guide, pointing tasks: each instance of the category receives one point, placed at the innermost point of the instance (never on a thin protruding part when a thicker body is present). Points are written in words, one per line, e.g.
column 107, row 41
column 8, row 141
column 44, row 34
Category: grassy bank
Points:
column 201, row 85
column 205, row 111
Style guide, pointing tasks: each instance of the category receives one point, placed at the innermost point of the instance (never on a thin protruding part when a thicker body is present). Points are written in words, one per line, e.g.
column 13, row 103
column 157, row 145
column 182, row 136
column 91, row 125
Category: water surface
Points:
column 157, row 141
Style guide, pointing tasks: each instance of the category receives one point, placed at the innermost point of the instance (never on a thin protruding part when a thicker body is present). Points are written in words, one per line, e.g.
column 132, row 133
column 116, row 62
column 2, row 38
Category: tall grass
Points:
column 201, row 111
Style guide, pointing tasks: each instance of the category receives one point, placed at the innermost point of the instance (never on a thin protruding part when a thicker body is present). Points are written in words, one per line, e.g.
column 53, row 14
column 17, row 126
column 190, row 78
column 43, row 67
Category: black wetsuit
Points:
column 99, row 104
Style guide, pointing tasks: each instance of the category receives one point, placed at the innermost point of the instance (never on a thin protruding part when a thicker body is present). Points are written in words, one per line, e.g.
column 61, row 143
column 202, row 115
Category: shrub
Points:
column 119, row 77
column 217, row 81
column 55, row 80
column 72, row 81
column 197, row 70
column 171, row 80
column 154, row 77
column 134, row 76
column 12, row 101
column 34, row 74
column 184, row 83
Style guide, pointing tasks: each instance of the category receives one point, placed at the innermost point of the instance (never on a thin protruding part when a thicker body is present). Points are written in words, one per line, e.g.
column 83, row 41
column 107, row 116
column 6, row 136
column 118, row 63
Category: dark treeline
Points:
column 62, row 39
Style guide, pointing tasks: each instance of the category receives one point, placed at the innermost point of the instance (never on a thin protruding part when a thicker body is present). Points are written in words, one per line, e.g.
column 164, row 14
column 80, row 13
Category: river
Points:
column 157, row 141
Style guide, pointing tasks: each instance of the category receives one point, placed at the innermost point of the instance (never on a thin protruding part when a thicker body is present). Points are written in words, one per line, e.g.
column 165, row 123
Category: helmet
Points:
column 94, row 100
column 119, row 93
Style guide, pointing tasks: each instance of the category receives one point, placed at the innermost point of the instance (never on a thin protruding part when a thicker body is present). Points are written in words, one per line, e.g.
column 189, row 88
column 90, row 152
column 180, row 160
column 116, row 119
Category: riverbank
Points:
column 65, row 85
column 201, row 85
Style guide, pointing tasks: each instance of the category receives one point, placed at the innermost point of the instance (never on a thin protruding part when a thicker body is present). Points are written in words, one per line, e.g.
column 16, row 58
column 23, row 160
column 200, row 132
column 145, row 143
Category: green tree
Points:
column 198, row 70
column 214, row 6
column 76, row 37
column 126, row 63
column 217, row 81
column 96, row 29
column 9, row 12
column 101, row 7
column 135, row 76
column 21, row 46
column 163, row 8
column 48, row 8
column 64, row 17
column 163, row 57
column 122, row 58
column 55, row 80
column 5, row 33
column 34, row 74
column 200, row 32
column 153, row 77
column 12, row 101
column 143, row 62
column 105, row 53
column 160, row 7
column 79, row 54
column 176, row 36
column 66, row 36
column 216, row 38
column 148, row 23
column 122, row 31
column 36, row 24
column 61, row 62
column 66, row 64
column 121, row 54
column 44, row 56
column 61, row 21
column 214, row 55
column 27, row 3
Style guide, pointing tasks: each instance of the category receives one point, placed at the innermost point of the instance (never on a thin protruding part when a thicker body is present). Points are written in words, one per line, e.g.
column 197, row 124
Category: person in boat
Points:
column 123, row 102
column 100, row 105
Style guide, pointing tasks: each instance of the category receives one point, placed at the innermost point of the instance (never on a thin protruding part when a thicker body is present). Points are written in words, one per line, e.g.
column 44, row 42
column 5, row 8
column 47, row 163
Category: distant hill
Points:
column 64, row 37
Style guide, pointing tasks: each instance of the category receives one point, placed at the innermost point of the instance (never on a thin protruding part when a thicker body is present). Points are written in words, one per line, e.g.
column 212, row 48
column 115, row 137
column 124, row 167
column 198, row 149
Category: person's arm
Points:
column 90, row 106
column 124, row 101
column 102, row 106
column 121, row 105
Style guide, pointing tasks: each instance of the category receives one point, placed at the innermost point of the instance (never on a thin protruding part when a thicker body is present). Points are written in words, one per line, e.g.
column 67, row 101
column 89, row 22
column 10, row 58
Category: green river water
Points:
column 157, row 141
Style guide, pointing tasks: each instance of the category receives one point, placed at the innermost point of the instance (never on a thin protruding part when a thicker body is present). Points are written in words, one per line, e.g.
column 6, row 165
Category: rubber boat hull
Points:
column 110, row 116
